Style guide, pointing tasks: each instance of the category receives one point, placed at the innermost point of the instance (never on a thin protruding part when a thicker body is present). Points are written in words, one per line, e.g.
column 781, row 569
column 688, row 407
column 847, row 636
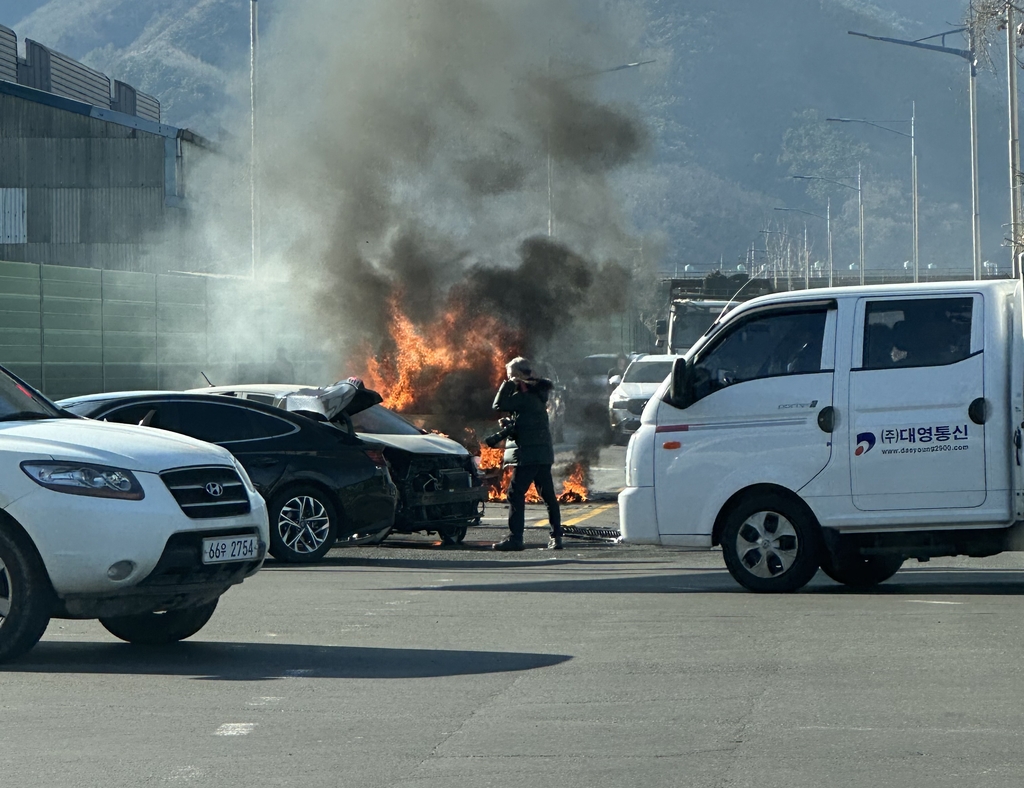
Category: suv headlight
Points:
column 80, row 478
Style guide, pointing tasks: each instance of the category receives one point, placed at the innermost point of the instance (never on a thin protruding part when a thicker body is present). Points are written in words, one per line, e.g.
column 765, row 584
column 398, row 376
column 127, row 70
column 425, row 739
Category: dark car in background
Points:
column 556, row 399
column 322, row 483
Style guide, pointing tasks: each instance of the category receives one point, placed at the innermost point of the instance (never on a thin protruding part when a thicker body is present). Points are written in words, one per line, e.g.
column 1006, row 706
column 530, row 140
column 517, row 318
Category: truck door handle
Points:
column 827, row 419
column 977, row 411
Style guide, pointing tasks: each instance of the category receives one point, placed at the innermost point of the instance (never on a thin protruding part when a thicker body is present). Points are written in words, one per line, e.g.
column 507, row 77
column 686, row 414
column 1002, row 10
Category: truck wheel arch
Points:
column 757, row 489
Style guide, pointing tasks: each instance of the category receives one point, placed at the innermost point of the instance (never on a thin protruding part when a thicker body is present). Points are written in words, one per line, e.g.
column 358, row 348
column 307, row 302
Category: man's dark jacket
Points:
column 528, row 402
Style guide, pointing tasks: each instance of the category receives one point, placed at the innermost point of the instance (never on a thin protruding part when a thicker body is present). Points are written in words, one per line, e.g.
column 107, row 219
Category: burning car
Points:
column 440, row 489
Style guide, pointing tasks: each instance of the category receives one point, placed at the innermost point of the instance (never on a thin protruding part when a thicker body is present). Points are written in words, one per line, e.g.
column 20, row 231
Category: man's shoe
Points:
column 508, row 545
column 555, row 543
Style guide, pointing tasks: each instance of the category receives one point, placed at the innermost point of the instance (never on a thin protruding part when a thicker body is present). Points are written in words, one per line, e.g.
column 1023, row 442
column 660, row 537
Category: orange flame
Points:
column 575, row 488
column 421, row 358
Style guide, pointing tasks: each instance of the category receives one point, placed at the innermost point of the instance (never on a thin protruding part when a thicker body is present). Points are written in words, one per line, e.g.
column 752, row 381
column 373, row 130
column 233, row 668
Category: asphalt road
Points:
column 602, row 665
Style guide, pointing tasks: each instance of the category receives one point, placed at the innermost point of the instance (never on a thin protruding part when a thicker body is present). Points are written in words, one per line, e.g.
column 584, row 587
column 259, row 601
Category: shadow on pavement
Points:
column 718, row 581
column 261, row 661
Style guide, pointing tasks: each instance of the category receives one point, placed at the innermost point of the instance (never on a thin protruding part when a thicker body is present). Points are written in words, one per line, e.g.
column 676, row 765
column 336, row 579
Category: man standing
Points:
column 530, row 451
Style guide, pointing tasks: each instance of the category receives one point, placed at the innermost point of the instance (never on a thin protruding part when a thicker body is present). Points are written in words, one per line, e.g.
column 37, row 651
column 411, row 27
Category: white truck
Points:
column 844, row 428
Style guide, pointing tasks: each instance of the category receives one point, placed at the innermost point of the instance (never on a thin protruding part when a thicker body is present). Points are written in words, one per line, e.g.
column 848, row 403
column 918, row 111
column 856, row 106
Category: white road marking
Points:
column 263, row 701
column 235, row 729
column 932, row 602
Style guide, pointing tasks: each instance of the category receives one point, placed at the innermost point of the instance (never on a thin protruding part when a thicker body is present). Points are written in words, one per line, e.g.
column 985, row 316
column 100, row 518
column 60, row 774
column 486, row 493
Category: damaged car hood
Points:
column 331, row 402
column 417, row 444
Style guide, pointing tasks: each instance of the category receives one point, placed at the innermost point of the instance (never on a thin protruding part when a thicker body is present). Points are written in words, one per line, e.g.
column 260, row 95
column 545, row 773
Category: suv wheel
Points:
column 303, row 525
column 26, row 598
column 160, row 629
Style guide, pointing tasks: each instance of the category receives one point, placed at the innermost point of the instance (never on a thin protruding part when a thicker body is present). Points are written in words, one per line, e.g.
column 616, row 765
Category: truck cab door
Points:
column 917, row 407
column 759, row 412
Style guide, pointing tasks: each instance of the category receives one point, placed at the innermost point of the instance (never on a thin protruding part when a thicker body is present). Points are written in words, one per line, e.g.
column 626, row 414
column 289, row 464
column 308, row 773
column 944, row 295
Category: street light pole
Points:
column 547, row 141
column 860, row 210
column 971, row 58
column 828, row 205
column 913, row 164
column 1011, row 82
column 828, row 234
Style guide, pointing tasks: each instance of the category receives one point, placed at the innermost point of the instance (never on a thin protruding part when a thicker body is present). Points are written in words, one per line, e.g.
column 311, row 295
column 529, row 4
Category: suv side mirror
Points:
column 680, row 390
column 614, row 380
column 661, row 327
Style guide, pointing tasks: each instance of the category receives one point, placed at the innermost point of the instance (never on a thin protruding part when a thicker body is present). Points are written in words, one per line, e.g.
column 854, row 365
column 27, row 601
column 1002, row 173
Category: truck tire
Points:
column 160, row 629
column 303, row 524
column 859, row 571
column 770, row 543
column 26, row 596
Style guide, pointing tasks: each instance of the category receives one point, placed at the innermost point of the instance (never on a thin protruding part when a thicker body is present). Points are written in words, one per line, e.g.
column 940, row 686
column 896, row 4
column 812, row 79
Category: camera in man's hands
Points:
column 507, row 429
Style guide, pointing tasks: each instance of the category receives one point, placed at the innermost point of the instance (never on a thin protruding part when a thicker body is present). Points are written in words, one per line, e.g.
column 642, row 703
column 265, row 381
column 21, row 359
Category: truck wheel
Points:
column 770, row 544
column 859, row 571
column 26, row 597
column 160, row 629
column 303, row 525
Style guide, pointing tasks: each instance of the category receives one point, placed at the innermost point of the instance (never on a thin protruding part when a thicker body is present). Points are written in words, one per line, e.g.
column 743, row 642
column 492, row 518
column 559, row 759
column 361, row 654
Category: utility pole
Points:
column 913, row 165
column 972, row 60
column 254, row 202
column 807, row 262
column 1011, row 84
column 913, row 178
column 828, row 232
column 860, row 210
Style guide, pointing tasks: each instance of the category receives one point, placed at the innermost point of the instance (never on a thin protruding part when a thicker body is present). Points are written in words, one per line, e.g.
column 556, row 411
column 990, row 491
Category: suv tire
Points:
column 770, row 543
column 160, row 629
column 26, row 597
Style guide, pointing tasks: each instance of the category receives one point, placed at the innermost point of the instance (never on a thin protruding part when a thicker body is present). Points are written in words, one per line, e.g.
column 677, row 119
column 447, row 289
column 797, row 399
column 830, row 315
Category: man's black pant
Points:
column 522, row 477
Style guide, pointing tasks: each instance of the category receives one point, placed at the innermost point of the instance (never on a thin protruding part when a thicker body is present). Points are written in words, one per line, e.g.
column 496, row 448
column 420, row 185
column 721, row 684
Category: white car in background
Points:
column 440, row 489
column 141, row 529
column 632, row 391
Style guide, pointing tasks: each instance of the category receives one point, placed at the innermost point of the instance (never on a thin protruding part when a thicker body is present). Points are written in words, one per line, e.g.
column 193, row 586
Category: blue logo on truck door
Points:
column 865, row 443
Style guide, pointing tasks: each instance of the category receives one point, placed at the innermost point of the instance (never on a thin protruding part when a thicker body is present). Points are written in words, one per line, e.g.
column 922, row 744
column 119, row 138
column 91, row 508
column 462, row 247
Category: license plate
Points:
column 232, row 548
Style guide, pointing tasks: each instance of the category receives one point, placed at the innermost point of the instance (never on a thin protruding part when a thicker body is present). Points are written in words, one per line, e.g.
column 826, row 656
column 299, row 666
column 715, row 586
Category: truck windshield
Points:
column 648, row 372
column 689, row 324
column 19, row 402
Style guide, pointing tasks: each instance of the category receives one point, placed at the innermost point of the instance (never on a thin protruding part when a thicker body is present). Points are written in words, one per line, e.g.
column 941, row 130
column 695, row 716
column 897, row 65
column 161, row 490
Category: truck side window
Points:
column 919, row 332
column 768, row 345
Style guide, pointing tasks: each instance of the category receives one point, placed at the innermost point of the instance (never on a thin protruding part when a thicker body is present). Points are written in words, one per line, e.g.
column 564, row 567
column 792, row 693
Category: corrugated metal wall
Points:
column 8, row 55
column 56, row 73
column 90, row 193
column 71, row 331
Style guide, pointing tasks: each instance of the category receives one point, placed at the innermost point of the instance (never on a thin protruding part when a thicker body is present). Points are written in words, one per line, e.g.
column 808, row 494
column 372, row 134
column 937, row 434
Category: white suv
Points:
column 140, row 528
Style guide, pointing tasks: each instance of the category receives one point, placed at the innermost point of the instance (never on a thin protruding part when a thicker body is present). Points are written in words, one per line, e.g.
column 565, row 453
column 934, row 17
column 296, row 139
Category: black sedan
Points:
column 322, row 484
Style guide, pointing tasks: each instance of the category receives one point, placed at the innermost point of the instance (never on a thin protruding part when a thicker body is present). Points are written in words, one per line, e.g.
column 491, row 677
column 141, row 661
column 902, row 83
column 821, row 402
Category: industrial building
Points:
column 88, row 173
column 90, row 181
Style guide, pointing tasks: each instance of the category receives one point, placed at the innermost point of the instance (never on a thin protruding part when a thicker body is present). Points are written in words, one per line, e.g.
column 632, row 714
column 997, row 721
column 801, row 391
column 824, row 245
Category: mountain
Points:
column 735, row 102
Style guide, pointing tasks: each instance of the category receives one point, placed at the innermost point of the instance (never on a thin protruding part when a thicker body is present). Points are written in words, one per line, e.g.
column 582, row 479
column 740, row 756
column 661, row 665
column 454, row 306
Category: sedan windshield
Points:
column 378, row 420
column 649, row 372
column 18, row 402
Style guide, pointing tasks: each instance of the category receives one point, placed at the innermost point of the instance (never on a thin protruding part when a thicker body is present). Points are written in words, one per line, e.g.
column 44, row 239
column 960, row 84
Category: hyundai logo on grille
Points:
column 214, row 490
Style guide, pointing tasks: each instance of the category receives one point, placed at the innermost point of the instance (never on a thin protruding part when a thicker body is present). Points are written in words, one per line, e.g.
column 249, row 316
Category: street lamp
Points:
column 913, row 165
column 828, row 231
column 860, row 207
column 972, row 59
column 623, row 67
